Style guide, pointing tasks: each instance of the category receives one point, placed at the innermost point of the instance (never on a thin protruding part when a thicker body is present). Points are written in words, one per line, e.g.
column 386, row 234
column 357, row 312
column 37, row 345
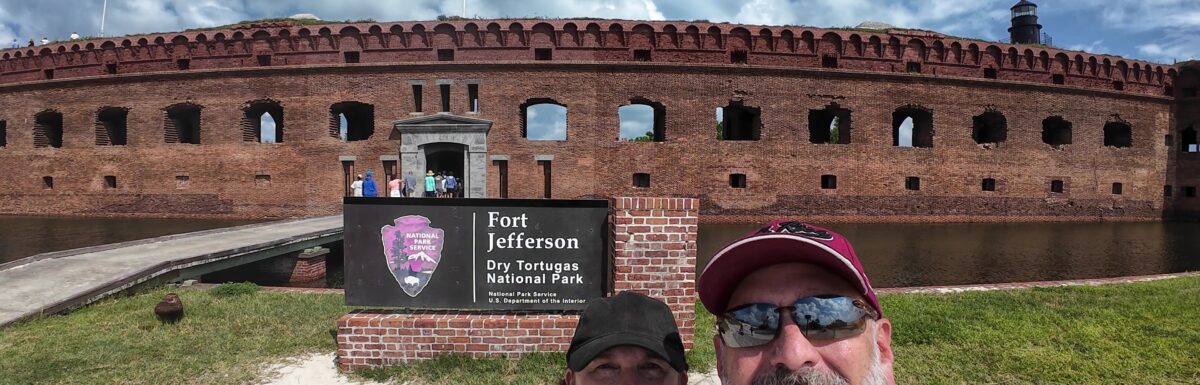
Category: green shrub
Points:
column 234, row 288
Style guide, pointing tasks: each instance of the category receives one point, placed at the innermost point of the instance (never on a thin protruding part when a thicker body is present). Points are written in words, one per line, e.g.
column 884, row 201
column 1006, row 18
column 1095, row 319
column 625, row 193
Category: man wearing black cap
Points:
column 795, row 307
column 628, row 338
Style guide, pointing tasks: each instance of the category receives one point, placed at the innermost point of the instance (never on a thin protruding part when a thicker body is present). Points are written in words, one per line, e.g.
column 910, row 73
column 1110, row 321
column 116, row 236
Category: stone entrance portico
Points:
column 424, row 135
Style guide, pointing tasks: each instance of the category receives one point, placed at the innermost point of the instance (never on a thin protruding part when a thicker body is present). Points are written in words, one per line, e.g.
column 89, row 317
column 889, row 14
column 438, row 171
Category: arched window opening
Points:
column 1118, row 133
column 912, row 126
column 1056, row 131
column 737, row 121
column 1188, row 140
column 48, row 129
column 989, row 129
column 829, row 125
column 111, row 127
column 642, row 121
column 545, row 119
column 262, row 122
column 350, row 121
column 182, row 124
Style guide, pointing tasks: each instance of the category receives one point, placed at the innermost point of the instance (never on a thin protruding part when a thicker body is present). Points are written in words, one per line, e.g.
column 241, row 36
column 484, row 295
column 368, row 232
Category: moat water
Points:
column 894, row 255
column 899, row 255
column 22, row 236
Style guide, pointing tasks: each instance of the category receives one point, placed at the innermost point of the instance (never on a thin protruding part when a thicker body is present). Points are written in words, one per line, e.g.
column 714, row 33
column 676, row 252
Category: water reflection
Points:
column 22, row 236
column 898, row 255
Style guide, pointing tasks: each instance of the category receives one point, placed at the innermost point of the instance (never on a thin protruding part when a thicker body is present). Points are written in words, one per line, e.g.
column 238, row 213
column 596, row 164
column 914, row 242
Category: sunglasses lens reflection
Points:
column 823, row 317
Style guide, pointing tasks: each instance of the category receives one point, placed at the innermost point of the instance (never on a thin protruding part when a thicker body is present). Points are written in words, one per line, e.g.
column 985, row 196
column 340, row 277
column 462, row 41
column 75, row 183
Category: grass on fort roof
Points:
column 1142, row 333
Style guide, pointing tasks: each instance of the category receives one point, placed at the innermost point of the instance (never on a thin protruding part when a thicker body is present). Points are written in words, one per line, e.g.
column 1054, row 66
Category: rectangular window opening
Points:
column 183, row 64
column 641, row 180
column 1119, row 86
column 350, row 57
column 912, row 183
column 542, row 54
column 183, row 181
column 1117, row 187
column 739, row 57
column 989, row 73
column 641, row 55
column 545, row 178
column 262, row 179
column 264, row 60
column 828, row 182
column 473, row 97
column 1189, row 191
column 48, row 182
column 49, row 74
column 110, row 68
column 3, row 133
column 1056, row 186
column 739, row 122
column 737, row 180
column 110, row 181
column 416, row 97
column 445, row 90
column 989, row 184
column 1059, row 79
column 502, row 172
column 913, row 67
column 828, row 61
column 445, row 54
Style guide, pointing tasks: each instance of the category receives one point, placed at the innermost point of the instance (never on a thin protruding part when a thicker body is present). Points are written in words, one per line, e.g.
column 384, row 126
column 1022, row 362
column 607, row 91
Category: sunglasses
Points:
column 821, row 317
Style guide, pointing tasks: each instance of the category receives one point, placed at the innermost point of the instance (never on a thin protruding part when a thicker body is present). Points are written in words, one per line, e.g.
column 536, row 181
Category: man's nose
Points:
column 791, row 350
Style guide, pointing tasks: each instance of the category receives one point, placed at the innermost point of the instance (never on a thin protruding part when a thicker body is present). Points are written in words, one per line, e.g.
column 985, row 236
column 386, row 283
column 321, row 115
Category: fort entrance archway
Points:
column 445, row 142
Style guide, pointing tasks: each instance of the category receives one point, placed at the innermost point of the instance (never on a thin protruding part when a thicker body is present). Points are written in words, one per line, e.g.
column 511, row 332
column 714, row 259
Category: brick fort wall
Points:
column 692, row 69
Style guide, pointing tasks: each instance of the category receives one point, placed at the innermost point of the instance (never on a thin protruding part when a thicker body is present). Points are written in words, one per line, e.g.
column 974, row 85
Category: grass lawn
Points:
column 1143, row 333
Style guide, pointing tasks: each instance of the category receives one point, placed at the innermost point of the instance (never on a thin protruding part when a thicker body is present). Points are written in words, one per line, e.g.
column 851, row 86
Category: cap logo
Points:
column 797, row 228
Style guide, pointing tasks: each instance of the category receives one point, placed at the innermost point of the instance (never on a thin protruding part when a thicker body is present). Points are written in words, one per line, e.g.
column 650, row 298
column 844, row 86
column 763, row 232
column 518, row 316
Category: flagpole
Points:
column 103, row 13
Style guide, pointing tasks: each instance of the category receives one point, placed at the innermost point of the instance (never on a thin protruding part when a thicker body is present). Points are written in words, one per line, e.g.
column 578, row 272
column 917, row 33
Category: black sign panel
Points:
column 496, row 254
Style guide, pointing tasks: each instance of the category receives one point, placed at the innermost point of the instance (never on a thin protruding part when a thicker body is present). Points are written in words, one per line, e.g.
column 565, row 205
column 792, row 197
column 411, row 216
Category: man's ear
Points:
column 568, row 378
column 883, row 342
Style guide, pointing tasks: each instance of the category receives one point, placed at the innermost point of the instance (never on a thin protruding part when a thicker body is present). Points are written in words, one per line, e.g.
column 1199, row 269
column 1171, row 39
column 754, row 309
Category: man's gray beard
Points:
column 814, row 376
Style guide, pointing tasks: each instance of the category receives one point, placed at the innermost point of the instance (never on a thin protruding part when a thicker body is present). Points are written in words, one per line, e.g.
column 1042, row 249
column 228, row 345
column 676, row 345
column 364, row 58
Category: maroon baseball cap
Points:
column 780, row 241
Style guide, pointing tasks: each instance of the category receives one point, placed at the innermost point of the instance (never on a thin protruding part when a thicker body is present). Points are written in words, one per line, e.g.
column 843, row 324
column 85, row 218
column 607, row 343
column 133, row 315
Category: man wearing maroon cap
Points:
column 794, row 306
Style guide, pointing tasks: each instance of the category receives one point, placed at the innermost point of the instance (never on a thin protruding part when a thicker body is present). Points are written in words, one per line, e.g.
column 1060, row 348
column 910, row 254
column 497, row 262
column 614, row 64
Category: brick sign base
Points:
column 654, row 252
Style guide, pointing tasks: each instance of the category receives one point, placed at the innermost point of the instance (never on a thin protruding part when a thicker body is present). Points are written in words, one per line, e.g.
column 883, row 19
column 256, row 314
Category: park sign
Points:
column 485, row 254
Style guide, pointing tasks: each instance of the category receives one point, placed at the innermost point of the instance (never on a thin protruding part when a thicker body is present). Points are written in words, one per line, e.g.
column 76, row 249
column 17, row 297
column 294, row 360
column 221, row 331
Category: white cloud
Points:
column 1093, row 47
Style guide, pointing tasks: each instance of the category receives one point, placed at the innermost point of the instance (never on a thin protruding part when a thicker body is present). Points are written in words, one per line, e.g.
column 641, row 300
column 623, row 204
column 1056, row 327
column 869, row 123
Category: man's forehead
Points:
column 788, row 281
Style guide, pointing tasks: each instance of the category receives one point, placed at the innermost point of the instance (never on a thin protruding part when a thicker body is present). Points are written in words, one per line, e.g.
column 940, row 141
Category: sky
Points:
column 1156, row 30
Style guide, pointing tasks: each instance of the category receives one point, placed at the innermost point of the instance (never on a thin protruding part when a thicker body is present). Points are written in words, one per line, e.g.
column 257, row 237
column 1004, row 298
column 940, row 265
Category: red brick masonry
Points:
column 654, row 252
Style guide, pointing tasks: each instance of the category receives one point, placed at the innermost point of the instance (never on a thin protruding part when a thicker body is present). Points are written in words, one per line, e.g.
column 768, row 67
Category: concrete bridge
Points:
column 53, row 282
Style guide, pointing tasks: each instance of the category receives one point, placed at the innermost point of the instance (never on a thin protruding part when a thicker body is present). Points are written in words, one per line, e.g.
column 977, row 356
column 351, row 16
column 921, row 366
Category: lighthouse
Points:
column 1025, row 28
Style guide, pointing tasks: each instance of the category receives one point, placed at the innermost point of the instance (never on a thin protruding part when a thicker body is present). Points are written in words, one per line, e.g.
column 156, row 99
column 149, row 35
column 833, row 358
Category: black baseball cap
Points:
column 626, row 319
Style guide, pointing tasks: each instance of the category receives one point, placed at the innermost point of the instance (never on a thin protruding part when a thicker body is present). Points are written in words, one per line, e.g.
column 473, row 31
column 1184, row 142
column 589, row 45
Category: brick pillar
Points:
column 654, row 253
column 309, row 267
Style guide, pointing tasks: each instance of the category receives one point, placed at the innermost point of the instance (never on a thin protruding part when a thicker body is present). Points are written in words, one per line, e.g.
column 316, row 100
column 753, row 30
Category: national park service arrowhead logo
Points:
column 412, row 249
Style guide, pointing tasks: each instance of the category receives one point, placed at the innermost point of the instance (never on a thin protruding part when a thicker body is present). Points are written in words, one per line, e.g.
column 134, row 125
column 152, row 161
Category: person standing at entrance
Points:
column 356, row 186
column 410, row 184
column 440, row 185
column 430, row 184
column 451, row 185
column 369, row 189
column 394, row 187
